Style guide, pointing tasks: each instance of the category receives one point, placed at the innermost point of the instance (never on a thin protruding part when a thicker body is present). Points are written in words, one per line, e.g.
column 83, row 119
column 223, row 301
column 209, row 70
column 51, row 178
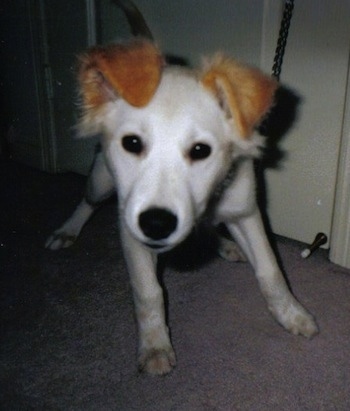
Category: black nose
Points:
column 157, row 223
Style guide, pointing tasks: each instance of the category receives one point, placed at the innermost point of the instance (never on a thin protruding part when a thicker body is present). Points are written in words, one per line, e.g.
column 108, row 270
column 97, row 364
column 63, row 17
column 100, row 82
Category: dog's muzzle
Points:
column 157, row 224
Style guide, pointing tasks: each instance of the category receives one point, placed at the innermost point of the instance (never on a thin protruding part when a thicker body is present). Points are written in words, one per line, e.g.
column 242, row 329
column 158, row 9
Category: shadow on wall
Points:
column 275, row 127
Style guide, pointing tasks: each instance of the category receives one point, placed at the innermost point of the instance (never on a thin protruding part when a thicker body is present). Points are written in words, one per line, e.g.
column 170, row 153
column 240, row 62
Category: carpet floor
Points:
column 67, row 330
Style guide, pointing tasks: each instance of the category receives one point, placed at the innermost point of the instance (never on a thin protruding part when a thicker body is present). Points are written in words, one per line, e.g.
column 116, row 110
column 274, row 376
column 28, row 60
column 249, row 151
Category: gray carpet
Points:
column 68, row 338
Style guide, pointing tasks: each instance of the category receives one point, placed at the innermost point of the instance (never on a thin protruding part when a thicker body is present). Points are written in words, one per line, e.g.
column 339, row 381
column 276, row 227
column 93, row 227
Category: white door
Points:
column 301, row 191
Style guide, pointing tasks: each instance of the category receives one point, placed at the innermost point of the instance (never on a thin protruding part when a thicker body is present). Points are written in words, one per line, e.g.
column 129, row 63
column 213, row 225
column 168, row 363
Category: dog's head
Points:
column 169, row 134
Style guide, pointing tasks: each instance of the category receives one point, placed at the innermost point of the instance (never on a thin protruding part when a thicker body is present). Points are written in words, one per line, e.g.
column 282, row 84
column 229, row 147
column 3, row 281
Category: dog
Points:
column 175, row 143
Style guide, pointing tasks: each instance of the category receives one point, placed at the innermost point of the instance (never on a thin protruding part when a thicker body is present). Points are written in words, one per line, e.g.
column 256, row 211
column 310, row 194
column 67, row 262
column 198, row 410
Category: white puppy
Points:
column 175, row 143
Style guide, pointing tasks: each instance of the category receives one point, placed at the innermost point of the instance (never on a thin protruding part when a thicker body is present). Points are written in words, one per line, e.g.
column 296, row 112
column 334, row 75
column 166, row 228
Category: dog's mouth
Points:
column 158, row 247
column 155, row 246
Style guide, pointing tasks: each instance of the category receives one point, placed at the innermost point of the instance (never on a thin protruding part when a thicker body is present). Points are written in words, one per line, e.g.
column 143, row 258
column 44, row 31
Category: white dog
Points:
column 172, row 140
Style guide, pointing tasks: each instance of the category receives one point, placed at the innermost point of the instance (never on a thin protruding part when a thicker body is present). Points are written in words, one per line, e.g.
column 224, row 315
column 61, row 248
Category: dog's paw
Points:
column 157, row 361
column 230, row 251
column 296, row 320
column 60, row 239
column 305, row 325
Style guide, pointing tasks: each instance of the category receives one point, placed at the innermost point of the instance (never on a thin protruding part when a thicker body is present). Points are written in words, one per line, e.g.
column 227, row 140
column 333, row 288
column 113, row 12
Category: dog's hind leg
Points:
column 99, row 188
column 229, row 250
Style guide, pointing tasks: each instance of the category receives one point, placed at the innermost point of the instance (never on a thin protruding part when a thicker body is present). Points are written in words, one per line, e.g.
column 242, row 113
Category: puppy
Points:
column 175, row 141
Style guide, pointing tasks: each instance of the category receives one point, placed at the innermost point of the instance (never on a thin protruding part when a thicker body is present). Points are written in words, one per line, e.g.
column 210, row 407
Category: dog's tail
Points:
column 135, row 19
column 139, row 28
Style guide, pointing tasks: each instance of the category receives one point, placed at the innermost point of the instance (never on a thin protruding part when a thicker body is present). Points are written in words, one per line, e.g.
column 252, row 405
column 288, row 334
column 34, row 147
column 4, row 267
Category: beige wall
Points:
column 194, row 28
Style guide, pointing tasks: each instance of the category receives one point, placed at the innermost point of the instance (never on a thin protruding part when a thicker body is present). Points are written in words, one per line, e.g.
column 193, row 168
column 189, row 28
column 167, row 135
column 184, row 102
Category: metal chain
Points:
column 282, row 38
column 279, row 54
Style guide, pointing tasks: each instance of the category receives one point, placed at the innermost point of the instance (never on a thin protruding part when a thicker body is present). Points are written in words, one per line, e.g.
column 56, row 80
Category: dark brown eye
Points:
column 199, row 151
column 133, row 144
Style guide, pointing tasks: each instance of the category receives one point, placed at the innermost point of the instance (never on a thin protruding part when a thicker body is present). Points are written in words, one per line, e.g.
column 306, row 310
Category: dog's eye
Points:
column 133, row 144
column 199, row 151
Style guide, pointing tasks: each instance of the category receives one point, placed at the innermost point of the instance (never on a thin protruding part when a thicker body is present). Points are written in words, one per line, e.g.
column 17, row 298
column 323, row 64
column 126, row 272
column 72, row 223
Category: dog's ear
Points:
column 130, row 71
column 244, row 92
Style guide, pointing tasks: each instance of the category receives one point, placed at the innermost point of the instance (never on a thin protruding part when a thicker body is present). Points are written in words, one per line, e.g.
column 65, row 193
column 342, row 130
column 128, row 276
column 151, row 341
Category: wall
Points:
column 195, row 28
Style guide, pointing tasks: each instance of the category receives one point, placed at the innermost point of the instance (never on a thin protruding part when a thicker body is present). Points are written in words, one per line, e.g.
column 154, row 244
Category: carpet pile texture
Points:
column 67, row 330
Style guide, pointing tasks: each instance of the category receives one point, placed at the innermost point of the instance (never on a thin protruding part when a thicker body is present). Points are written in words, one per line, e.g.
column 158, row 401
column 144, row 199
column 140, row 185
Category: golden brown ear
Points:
column 245, row 92
column 131, row 71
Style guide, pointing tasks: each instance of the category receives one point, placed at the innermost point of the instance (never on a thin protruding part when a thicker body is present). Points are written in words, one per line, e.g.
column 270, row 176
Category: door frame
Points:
column 340, row 234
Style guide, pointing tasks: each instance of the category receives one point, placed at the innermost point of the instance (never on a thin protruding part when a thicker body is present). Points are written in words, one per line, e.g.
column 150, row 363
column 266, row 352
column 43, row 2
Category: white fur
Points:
column 181, row 113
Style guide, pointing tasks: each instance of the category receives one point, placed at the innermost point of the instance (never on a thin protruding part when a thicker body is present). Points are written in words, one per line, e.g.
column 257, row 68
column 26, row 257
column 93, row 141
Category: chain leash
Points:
column 279, row 53
column 282, row 38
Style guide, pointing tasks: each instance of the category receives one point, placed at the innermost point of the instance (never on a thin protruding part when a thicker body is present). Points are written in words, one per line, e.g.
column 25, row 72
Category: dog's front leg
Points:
column 249, row 232
column 155, row 355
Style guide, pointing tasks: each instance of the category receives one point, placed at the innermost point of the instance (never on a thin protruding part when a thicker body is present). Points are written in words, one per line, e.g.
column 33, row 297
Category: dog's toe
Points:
column 295, row 319
column 304, row 325
column 157, row 361
column 59, row 240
